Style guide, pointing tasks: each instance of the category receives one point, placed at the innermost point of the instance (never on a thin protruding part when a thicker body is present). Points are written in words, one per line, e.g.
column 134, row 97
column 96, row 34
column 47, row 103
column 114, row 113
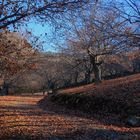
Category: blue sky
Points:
column 44, row 33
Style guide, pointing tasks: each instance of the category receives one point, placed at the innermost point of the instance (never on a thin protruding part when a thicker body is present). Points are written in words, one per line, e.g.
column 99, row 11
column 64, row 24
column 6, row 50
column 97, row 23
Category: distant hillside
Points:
column 33, row 80
column 52, row 70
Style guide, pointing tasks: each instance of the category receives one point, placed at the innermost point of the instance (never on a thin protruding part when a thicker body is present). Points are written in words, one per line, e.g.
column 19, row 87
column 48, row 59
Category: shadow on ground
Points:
column 48, row 121
column 91, row 134
column 108, row 112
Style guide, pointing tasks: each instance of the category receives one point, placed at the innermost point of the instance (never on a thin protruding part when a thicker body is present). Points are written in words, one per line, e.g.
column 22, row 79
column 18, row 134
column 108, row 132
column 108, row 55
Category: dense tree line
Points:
column 56, row 71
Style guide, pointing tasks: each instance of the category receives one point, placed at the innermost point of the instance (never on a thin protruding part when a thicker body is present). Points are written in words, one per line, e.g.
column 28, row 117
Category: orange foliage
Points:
column 14, row 53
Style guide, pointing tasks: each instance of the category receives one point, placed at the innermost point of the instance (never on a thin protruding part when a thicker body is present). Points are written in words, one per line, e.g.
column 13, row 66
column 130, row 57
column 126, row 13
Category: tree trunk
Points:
column 96, row 66
column 76, row 78
column 96, row 69
column 5, row 88
column 87, row 77
column 97, row 74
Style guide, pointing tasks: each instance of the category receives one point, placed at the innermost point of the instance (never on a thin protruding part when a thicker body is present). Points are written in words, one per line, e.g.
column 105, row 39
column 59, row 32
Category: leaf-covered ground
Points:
column 21, row 118
column 117, row 96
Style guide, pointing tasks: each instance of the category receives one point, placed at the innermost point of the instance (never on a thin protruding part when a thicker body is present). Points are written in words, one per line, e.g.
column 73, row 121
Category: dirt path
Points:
column 21, row 118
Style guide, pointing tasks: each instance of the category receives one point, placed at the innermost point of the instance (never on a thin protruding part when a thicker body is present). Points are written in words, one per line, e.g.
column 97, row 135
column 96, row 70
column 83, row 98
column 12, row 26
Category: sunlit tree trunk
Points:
column 96, row 67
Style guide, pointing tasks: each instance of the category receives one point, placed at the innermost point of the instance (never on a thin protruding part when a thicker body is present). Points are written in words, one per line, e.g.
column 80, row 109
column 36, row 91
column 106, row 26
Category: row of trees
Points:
column 60, row 70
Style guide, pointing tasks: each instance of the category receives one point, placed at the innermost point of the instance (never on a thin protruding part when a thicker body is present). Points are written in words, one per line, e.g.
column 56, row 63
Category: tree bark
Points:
column 96, row 67
column 87, row 77
column 76, row 78
column 4, row 90
column 97, row 74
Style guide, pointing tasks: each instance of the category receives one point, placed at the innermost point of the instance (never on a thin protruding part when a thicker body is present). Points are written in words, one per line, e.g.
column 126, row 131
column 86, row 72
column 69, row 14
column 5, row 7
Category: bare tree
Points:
column 130, row 12
column 98, row 32
column 13, row 11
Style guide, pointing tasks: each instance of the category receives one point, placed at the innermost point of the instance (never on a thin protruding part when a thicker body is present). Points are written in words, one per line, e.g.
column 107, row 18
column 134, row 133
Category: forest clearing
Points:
column 69, row 69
